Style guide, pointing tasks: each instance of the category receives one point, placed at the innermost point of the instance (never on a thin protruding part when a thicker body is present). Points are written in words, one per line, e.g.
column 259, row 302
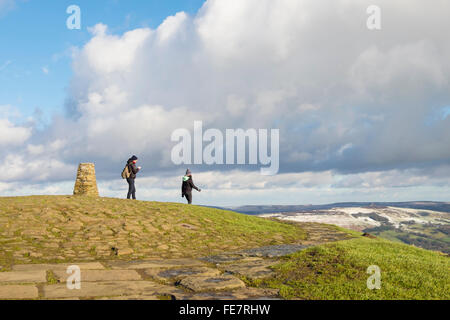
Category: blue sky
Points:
column 35, row 41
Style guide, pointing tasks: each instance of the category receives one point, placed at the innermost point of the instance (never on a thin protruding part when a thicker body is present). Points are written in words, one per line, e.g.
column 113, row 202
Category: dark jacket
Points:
column 133, row 169
column 187, row 186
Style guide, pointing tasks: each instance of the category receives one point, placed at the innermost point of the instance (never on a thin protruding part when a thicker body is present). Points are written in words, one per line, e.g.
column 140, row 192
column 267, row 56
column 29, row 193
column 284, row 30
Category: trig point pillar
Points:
column 86, row 183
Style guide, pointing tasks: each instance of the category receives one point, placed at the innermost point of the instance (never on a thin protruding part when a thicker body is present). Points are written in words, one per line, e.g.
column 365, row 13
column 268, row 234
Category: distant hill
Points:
column 260, row 209
column 425, row 224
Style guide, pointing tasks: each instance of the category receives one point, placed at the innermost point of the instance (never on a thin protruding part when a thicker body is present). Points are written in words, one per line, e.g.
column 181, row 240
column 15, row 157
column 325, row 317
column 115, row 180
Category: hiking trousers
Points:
column 131, row 189
column 188, row 197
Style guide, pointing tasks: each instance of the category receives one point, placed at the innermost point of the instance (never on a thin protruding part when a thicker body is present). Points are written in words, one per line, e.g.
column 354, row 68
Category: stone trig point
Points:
column 86, row 183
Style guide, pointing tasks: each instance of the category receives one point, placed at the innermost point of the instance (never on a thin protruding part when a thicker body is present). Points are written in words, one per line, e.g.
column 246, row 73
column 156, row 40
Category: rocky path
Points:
column 181, row 279
column 214, row 277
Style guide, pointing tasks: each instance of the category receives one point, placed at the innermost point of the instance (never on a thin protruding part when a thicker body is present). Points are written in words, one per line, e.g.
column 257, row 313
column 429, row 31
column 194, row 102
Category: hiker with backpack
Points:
column 187, row 186
column 129, row 173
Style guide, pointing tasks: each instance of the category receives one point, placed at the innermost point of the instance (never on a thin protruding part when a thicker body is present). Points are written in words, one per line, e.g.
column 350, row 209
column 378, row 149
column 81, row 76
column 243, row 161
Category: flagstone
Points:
column 225, row 282
column 105, row 289
column 101, row 275
column 156, row 263
column 252, row 269
column 62, row 266
column 16, row 292
column 239, row 294
column 23, row 277
column 173, row 275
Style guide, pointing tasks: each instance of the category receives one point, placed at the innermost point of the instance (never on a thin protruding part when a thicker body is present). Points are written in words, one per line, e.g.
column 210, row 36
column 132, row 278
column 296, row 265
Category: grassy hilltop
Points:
column 56, row 229
column 63, row 228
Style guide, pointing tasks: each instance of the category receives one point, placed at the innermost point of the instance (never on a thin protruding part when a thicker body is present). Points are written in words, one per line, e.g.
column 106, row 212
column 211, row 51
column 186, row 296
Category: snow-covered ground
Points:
column 357, row 218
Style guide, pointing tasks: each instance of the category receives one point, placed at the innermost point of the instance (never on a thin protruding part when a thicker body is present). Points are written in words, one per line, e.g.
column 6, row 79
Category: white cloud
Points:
column 172, row 26
column 347, row 101
column 35, row 150
column 106, row 54
column 11, row 134
column 240, row 188
column 35, row 169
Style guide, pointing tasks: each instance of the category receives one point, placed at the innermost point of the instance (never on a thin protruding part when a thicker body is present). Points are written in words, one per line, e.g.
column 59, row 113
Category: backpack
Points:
column 126, row 172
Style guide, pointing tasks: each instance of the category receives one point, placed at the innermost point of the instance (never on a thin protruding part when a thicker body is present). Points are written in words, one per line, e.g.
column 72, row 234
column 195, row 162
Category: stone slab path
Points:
column 210, row 278
column 176, row 279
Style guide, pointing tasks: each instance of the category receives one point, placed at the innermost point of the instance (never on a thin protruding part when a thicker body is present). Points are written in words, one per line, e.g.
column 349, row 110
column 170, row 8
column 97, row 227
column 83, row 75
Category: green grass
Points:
column 430, row 237
column 338, row 271
column 51, row 278
column 65, row 228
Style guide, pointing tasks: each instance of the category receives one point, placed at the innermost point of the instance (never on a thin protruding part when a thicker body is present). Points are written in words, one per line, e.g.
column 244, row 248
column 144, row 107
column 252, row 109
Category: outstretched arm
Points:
column 193, row 185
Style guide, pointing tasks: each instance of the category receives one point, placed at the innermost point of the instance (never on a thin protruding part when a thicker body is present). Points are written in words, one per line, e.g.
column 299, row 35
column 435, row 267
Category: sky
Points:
column 35, row 59
column 363, row 115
